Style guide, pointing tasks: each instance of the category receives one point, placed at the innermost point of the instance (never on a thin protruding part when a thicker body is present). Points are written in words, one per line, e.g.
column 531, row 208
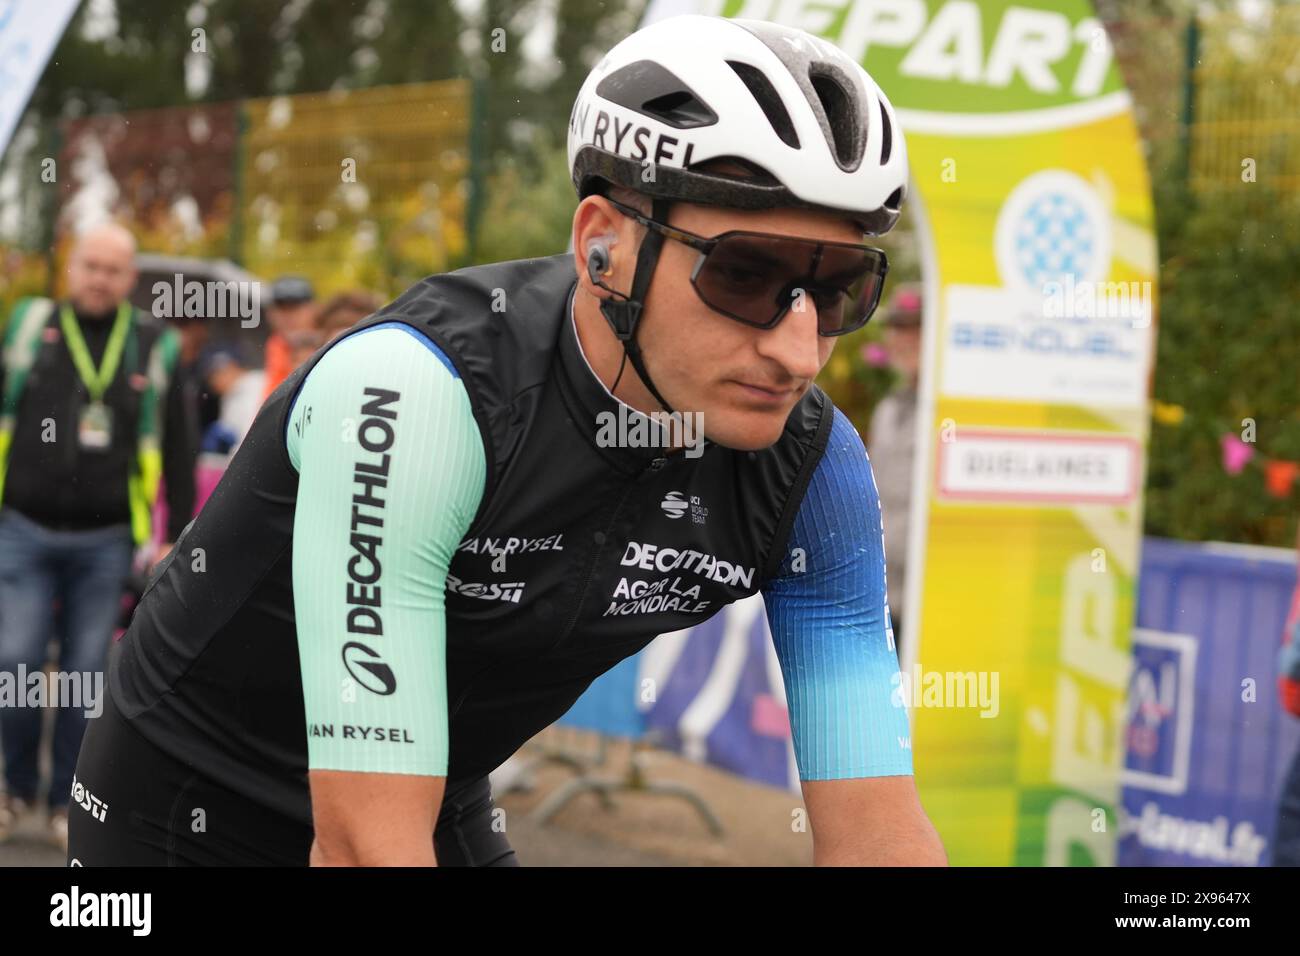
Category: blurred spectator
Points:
column 93, row 414
column 332, row 319
column 303, row 345
column 344, row 311
column 240, row 390
column 292, row 309
column 194, row 339
column 892, row 441
column 1286, row 842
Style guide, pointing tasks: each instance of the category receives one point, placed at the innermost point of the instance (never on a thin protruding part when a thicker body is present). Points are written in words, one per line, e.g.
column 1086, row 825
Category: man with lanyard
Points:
column 447, row 524
column 91, row 418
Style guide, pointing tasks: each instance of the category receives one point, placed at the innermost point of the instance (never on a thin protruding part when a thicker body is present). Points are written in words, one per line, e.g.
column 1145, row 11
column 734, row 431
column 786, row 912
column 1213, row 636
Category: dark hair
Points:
column 346, row 309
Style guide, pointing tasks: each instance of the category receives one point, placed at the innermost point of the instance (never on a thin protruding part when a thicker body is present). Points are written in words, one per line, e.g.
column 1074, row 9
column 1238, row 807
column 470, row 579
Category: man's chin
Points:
column 97, row 306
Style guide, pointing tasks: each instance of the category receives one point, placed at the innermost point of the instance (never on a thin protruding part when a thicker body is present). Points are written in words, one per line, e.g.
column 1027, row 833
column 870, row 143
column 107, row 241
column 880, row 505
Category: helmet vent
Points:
column 887, row 136
column 751, row 172
column 842, row 121
column 764, row 93
column 656, row 92
column 679, row 108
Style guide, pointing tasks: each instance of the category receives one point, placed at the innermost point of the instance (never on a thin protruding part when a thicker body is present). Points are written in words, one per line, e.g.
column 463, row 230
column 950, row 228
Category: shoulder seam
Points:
column 418, row 335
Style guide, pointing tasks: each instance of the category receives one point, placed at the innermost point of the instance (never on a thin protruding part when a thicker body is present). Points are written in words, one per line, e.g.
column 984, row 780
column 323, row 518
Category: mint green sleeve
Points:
column 391, row 471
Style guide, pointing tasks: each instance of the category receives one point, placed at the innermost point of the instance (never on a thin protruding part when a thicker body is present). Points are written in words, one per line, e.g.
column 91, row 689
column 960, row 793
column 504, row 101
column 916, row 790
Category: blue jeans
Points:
column 86, row 572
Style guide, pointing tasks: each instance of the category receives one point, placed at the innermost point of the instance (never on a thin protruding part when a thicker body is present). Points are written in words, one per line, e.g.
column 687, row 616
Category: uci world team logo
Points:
column 678, row 505
column 1052, row 227
column 1160, row 715
column 675, row 504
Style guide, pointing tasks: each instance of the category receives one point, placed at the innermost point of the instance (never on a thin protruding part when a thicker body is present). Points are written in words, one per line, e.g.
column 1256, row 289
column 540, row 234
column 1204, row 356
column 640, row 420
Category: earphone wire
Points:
column 618, row 378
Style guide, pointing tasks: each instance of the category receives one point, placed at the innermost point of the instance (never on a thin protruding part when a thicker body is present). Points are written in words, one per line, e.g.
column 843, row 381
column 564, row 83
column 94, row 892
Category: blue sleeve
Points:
column 830, row 624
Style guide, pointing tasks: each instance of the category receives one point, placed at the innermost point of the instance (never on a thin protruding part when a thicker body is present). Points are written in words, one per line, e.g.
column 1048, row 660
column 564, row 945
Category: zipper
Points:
column 653, row 468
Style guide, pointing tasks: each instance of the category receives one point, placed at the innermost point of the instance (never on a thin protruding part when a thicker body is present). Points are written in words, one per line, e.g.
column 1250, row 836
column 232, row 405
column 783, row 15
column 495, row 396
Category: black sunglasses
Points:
column 757, row 277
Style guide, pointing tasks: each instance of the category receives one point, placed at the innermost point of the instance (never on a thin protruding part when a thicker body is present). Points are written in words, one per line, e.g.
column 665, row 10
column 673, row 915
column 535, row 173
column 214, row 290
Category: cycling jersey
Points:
column 424, row 552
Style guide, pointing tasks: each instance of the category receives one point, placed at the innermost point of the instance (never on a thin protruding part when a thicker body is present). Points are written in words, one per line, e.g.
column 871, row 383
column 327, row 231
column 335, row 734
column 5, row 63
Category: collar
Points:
column 601, row 413
column 94, row 322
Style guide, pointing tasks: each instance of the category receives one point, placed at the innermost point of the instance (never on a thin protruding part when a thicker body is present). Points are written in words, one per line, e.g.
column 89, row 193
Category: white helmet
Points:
column 793, row 108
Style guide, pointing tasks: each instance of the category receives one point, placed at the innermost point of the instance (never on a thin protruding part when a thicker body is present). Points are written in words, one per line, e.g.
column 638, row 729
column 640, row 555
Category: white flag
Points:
column 29, row 30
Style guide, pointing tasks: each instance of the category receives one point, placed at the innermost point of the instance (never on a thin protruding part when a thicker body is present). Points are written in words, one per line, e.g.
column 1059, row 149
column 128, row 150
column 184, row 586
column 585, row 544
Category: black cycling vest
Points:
column 612, row 546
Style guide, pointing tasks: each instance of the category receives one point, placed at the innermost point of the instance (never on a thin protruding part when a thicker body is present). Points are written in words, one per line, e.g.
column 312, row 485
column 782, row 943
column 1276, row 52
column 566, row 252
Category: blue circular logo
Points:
column 1054, row 237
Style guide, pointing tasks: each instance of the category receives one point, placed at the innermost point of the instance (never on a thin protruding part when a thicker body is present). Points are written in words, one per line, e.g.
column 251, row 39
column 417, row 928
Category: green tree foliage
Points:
column 1228, row 345
column 1228, row 220
column 1228, row 352
column 530, row 208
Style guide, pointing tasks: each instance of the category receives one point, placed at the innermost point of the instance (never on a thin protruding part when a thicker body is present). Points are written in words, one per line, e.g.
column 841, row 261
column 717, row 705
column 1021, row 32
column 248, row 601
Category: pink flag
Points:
column 874, row 354
column 1235, row 453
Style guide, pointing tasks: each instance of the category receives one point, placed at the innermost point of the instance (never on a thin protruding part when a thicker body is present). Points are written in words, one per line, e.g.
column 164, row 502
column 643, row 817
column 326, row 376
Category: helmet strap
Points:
column 624, row 314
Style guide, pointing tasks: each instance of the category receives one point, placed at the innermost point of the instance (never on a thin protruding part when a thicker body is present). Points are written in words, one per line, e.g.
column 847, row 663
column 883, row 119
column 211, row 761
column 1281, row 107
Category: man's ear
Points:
column 594, row 232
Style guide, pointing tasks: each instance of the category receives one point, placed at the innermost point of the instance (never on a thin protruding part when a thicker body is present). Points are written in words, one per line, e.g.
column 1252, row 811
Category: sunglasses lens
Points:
column 744, row 276
column 756, row 279
column 846, row 288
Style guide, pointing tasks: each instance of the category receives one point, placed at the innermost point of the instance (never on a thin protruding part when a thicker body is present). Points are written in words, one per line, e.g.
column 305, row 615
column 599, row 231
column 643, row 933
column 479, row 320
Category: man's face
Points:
column 903, row 342
column 743, row 379
column 194, row 336
column 291, row 317
column 101, row 273
column 223, row 378
column 303, row 344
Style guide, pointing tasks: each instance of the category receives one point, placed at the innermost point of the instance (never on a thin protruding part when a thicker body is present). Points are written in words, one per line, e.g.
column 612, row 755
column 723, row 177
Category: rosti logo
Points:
column 674, row 504
column 510, row 591
column 368, row 670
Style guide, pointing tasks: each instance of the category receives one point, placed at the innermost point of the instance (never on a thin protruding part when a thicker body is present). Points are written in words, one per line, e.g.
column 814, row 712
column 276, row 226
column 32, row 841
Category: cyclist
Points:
column 445, row 526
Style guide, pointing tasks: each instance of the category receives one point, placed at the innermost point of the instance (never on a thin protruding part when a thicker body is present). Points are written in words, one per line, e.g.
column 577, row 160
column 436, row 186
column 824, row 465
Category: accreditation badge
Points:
column 95, row 427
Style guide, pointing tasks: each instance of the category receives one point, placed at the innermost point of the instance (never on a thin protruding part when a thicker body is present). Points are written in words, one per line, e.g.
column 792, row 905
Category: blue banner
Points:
column 1208, row 741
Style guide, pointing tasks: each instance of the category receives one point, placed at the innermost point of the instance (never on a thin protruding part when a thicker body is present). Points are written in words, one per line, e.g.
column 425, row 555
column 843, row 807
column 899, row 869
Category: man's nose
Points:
column 794, row 342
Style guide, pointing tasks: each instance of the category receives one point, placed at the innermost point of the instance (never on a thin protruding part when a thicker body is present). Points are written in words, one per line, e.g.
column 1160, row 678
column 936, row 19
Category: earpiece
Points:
column 597, row 260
